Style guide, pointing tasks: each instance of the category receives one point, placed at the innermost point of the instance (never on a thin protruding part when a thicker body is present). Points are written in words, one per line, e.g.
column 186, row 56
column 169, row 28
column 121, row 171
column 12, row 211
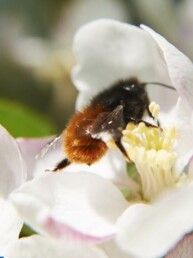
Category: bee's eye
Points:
column 130, row 87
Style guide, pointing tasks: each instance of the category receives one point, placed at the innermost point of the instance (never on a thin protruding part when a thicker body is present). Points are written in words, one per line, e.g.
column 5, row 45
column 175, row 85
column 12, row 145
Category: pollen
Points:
column 150, row 137
column 152, row 151
column 154, row 108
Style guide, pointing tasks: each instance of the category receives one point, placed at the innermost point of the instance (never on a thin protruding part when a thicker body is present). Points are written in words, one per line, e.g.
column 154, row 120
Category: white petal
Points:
column 49, row 156
column 107, row 50
column 39, row 247
column 11, row 224
column 112, row 167
column 30, row 148
column 179, row 66
column 181, row 73
column 183, row 120
column 63, row 231
column 82, row 202
column 183, row 249
column 113, row 250
column 149, row 231
column 12, row 166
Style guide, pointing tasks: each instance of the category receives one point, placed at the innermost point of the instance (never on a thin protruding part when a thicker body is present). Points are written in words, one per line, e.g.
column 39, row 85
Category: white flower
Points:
column 90, row 208
column 38, row 246
column 12, row 174
column 16, row 164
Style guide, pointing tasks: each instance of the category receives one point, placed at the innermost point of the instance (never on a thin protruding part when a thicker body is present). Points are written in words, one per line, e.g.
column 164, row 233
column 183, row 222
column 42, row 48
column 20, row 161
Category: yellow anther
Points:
column 131, row 138
column 154, row 108
column 151, row 149
column 130, row 126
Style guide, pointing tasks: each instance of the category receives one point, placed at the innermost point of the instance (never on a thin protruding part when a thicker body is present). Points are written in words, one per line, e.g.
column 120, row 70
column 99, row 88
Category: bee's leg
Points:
column 62, row 164
column 121, row 148
column 136, row 122
column 150, row 115
column 146, row 123
column 158, row 123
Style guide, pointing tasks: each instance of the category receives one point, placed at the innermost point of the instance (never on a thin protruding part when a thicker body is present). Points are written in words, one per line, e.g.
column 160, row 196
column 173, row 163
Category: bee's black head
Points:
column 129, row 93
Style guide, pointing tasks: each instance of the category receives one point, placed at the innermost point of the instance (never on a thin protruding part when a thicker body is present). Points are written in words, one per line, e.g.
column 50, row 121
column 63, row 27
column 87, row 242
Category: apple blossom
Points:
column 11, row 224
column 14, row 171
column 13, row 174
column 38, row 246
column 157, row 210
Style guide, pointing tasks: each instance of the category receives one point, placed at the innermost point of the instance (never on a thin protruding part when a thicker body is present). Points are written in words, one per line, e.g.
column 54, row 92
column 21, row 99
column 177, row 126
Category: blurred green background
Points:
column 36, row 94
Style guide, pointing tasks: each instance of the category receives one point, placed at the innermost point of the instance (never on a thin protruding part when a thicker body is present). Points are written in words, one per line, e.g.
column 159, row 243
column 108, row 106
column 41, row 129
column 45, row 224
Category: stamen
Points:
column 154, row 108
column 151, row 149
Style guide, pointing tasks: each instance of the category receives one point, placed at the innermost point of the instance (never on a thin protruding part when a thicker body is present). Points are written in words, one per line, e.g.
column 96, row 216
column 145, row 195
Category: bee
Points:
column 105, row 117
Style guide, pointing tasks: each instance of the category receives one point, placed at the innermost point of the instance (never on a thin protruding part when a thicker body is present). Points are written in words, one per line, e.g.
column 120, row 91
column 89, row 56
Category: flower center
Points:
column 151, row 149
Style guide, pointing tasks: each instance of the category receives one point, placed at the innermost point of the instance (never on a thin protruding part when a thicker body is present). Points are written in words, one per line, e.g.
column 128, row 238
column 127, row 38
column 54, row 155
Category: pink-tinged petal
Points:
column 12, row 166
column 39, row 247
column 61, row 230
column 149, row 231
column 11, row 224
column 30, row 148
column 107, row 51
column 180, row 68
column 183, row 249
column 84, row 202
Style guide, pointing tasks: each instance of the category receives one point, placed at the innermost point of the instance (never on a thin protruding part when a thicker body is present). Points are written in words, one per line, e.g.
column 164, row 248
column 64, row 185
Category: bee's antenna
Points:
column 160, row 84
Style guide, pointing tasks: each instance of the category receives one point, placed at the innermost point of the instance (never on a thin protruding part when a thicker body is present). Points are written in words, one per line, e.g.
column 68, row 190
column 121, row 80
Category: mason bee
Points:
column 105, row 117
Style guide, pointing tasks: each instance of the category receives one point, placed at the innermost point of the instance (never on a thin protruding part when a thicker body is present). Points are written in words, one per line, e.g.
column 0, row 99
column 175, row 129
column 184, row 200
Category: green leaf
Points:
column 21, row 121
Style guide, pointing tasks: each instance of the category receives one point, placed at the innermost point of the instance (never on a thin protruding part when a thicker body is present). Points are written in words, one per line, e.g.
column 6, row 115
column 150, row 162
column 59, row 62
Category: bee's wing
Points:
column 55, row 143
column 109, row 122
column 112, row 123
